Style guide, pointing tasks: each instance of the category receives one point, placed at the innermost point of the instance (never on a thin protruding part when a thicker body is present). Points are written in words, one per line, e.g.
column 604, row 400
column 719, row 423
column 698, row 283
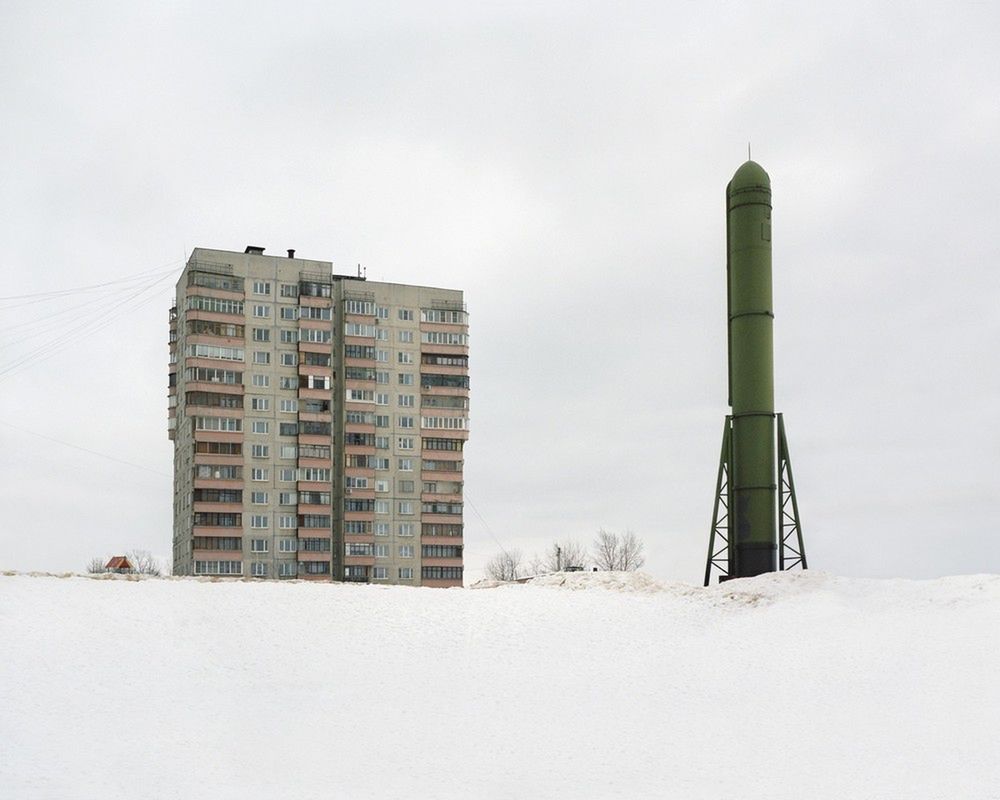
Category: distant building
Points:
column 318, row 422
column 118, row 564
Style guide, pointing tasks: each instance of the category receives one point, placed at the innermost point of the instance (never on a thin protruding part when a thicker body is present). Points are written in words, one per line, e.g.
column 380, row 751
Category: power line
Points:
column 77, row 290
column 85, row 450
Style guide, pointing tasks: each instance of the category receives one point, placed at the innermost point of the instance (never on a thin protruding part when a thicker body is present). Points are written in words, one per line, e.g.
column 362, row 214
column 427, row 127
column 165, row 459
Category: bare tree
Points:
column 96, row 565
column 505, row 566
column 143, row 562
column 562, row 555
column 618, row 552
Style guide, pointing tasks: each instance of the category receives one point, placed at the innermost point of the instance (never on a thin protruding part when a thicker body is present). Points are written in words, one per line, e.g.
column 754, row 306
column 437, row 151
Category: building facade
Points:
column 318, row 421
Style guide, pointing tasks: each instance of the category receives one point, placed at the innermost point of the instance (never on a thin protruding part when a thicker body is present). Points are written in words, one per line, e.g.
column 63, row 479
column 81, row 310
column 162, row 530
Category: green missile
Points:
column 753, row 511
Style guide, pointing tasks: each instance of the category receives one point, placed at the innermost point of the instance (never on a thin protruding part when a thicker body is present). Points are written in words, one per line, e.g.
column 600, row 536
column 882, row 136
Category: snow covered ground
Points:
column 783, row 686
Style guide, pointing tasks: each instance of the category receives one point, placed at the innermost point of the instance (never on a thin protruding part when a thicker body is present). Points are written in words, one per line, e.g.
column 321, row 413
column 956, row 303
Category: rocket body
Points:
column 753, row 480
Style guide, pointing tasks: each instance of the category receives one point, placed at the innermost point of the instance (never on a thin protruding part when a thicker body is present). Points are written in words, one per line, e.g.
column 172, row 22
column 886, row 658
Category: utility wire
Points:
column 85, row 450
column 482, row 519
column 77, row 290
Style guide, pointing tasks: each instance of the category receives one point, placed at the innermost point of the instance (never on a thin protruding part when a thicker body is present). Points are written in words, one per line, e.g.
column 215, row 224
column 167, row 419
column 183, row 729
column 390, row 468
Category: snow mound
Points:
column 575, row 685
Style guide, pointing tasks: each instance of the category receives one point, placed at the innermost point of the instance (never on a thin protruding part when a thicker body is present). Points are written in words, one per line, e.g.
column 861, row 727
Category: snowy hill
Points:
column 580, row 685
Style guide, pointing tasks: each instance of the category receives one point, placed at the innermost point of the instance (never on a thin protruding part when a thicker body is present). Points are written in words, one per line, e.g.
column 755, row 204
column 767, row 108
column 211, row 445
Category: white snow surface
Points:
column 580, row 686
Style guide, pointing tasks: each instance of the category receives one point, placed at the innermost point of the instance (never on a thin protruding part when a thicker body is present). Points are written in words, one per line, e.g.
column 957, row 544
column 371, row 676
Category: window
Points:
column 258, row 569
column 290, row 313
column 261, row 357
column 404, row 422
column 259, row 426
column 287, row 545
column 288, row 499
column 357, row 549
column 286, row 474
column 405, row 507
column 259, row 521
column 261, row 287
column 315, row 335
column 289, row 406
column 406, row 337
column 363, row 307
column 441, row 315
column 360, row 396
column 381, row 506
column 289, row 359
column 406, row 573
column 314, row 545
column 403, row 357
column 381, row 376
column 442, row 573
column 382, row 443
column 405, row 378
column 382, row 421
column 260, row 381
column 381, row 335
column 262, row 334
column 287, row 569
column 447, row 423
column 286, row 522
column 314, row 382
column 382, row 312
column 406, row 551
column 288, row 335
column 314, row 289
column 289, row 290
column 315, row 359
column 288, row 429
column 258, row 498
column 381, row 551
column 357, row 527
column 314, row 474
column 312, row 312
column 261, row 311
column 288, row 383
column 198, row 303
column 405, row 529
column 405, row 314
column 258, row 545
column 440, row 337
column 214, row 351
column 406, row 464
column 218, row 472
column 381, row 486
column 381, row 528
column 406, row 487
column 358, row 329
column 354, row 482
column 380, row 573
column 260, row 403
column 258, row 474
column 382, row 355
column 406, row 400
column 259, row 450
column 381, row 399
column 213, row 375
column 212, row 280
column 404, row 443
column 379, row 463
column 218, row 567
column 288, row 450
column 228, row 424
column 449, row 381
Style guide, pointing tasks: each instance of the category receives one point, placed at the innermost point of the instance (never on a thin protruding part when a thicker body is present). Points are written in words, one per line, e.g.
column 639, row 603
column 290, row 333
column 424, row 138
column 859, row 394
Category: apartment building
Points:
column 319, row 422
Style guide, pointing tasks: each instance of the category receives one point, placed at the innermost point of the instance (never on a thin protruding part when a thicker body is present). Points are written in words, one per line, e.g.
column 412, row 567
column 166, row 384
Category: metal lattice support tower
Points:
column 720, row 554
column 791, row 549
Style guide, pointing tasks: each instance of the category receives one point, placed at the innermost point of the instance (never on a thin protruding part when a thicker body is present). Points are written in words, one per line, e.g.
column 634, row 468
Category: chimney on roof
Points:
column 254, row 250
column 291, row 253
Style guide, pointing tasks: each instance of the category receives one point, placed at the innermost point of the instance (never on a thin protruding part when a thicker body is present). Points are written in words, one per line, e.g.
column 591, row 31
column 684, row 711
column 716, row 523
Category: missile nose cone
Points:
column 750, row 176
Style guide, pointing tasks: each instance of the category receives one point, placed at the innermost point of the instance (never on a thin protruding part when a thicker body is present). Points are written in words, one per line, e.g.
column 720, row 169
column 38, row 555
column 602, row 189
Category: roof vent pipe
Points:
column 291, row 253
column 254, row 250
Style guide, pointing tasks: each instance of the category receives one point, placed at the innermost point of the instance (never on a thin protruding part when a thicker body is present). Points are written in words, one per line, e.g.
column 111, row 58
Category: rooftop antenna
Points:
column 748, row 152
column 359, row 270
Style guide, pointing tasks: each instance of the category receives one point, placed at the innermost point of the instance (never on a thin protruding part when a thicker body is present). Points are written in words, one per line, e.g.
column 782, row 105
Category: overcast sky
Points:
column 565, row 165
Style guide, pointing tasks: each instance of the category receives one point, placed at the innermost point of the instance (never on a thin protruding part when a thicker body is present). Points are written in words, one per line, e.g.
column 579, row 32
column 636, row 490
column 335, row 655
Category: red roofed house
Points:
column 118, row 564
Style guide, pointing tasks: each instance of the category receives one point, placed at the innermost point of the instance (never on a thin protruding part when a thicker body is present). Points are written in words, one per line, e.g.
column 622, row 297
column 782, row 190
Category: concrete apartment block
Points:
column 318, row 423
